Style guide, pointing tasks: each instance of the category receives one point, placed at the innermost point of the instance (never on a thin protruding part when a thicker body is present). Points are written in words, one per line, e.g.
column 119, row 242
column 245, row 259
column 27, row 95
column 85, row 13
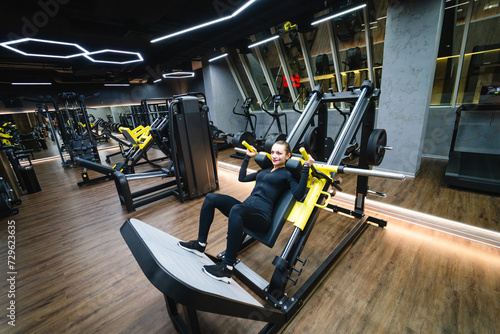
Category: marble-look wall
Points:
column 410, row 51
column 221, row 92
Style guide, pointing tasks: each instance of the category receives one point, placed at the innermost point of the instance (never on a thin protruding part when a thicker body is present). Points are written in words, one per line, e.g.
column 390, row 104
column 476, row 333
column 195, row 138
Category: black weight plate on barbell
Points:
column 375, row 150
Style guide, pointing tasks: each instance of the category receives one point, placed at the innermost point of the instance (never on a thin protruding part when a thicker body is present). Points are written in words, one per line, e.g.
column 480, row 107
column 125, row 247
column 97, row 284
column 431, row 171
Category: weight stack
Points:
column 194, row 150
column 30, row 180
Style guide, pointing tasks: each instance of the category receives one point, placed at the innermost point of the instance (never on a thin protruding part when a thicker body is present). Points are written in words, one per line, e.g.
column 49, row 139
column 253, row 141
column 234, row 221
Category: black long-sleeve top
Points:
column 269, row 186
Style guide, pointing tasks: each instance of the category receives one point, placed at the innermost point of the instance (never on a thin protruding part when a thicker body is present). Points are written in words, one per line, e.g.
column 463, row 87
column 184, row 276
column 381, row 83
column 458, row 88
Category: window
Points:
column 480, row 59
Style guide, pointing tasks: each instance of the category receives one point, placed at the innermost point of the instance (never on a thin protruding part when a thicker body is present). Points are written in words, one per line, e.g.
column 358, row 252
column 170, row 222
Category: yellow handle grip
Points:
column 328, row 196
column 304, row 153
column 250, row 148
column 327, row 168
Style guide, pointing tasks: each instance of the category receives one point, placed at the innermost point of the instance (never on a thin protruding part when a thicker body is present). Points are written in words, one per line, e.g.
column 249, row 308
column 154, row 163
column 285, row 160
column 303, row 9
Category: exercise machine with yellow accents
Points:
column 178, row 277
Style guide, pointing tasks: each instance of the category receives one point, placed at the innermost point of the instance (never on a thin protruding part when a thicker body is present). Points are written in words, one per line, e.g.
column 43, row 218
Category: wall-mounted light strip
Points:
column 338, row 14
column 264, row 41
column 218, row 57
column 178, row 75
column 31, row 83
column 80, row 51
column 117, row 85
column 238, row 11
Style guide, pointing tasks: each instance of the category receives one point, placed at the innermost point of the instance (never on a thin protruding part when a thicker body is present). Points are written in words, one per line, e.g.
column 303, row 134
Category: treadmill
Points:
column 474, row 158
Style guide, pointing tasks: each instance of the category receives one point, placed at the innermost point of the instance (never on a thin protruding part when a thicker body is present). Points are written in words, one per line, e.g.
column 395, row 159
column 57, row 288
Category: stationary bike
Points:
column 268, row 140
column 244, row 136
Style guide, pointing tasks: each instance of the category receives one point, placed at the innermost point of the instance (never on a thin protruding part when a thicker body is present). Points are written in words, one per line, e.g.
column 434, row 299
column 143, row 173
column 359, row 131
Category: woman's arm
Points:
column 243, row 177
column 299, row 188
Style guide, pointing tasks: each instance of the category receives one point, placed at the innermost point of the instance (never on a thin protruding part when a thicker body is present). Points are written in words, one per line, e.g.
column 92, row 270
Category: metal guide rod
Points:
column 348, row 130
column 303, row 121
column 290, row 243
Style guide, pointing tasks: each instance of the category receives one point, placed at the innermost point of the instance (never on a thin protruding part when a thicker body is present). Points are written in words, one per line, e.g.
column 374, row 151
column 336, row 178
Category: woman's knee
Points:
column 210, row 199
column 236, row 212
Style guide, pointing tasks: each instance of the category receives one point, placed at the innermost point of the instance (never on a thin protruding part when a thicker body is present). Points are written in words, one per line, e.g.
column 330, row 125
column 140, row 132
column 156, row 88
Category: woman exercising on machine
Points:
column 254, row 213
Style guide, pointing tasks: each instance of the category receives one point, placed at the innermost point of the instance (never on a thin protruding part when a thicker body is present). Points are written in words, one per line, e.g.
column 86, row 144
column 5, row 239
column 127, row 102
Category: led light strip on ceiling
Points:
column 264, row 41
column 80, row 51
column 31, row 83
column 218, row 57
column 338, row 14
column 206, row 24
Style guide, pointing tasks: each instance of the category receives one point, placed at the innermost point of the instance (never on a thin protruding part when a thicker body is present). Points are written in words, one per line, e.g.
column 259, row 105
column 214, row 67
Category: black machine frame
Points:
column 281, row 307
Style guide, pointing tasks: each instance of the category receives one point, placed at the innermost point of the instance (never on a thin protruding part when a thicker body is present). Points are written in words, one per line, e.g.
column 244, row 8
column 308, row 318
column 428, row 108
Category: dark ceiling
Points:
column 130, row 26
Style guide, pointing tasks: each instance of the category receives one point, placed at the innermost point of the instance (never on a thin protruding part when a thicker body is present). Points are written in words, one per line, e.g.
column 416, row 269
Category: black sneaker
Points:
column 192, row 246
column 219, row 271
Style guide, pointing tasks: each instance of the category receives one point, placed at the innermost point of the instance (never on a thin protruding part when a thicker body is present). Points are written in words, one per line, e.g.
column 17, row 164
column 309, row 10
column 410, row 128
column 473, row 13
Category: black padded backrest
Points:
column 294, row 167
column 282, row 209
column 280, row 214
column 263, row 161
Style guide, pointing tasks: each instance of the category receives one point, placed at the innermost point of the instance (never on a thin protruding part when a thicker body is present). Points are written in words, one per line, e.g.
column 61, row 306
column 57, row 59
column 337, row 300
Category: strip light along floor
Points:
column 477, row 234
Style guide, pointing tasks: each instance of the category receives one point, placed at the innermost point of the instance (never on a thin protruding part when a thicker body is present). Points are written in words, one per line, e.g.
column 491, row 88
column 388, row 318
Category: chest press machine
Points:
column 178, row 275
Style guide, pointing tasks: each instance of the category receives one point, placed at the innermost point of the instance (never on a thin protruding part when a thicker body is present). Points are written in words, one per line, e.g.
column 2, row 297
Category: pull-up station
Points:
column 178, row 274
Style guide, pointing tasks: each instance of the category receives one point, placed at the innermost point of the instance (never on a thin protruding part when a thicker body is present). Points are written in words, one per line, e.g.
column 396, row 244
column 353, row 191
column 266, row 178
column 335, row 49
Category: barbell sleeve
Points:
column 240, row 150
column 370, row 172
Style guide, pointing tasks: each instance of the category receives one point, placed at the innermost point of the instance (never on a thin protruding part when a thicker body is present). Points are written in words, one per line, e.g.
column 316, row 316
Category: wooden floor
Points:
column 75, row 274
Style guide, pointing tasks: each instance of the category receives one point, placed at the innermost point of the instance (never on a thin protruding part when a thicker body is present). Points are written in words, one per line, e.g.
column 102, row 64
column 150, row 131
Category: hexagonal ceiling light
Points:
column 26, row 47
column 108, row 51
column 18, row 42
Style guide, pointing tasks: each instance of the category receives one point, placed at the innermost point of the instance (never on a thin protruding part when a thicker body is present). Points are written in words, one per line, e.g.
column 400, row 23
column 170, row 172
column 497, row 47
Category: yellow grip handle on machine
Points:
column 247, row 145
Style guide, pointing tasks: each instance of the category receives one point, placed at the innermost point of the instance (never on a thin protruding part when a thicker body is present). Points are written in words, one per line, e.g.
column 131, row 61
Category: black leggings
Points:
column 239, row 215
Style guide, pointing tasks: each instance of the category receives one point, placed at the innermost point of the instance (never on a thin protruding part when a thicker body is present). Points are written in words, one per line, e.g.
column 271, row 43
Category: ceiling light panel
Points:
column 106, row 56
column 55, row 49
column 178, row 75
column 30, row 46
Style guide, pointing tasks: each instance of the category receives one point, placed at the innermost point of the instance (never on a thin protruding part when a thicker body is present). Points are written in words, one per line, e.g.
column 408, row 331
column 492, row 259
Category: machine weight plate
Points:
column 375, row 149
column 271, row 139
column 242, row 136
column 310, row 141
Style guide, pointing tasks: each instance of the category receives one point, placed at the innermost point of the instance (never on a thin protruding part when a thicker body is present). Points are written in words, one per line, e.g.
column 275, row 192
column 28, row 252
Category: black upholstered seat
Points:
column 283, row 206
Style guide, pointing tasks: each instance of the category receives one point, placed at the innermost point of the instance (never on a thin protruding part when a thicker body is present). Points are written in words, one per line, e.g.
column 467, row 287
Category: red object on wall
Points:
column 295, row 81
